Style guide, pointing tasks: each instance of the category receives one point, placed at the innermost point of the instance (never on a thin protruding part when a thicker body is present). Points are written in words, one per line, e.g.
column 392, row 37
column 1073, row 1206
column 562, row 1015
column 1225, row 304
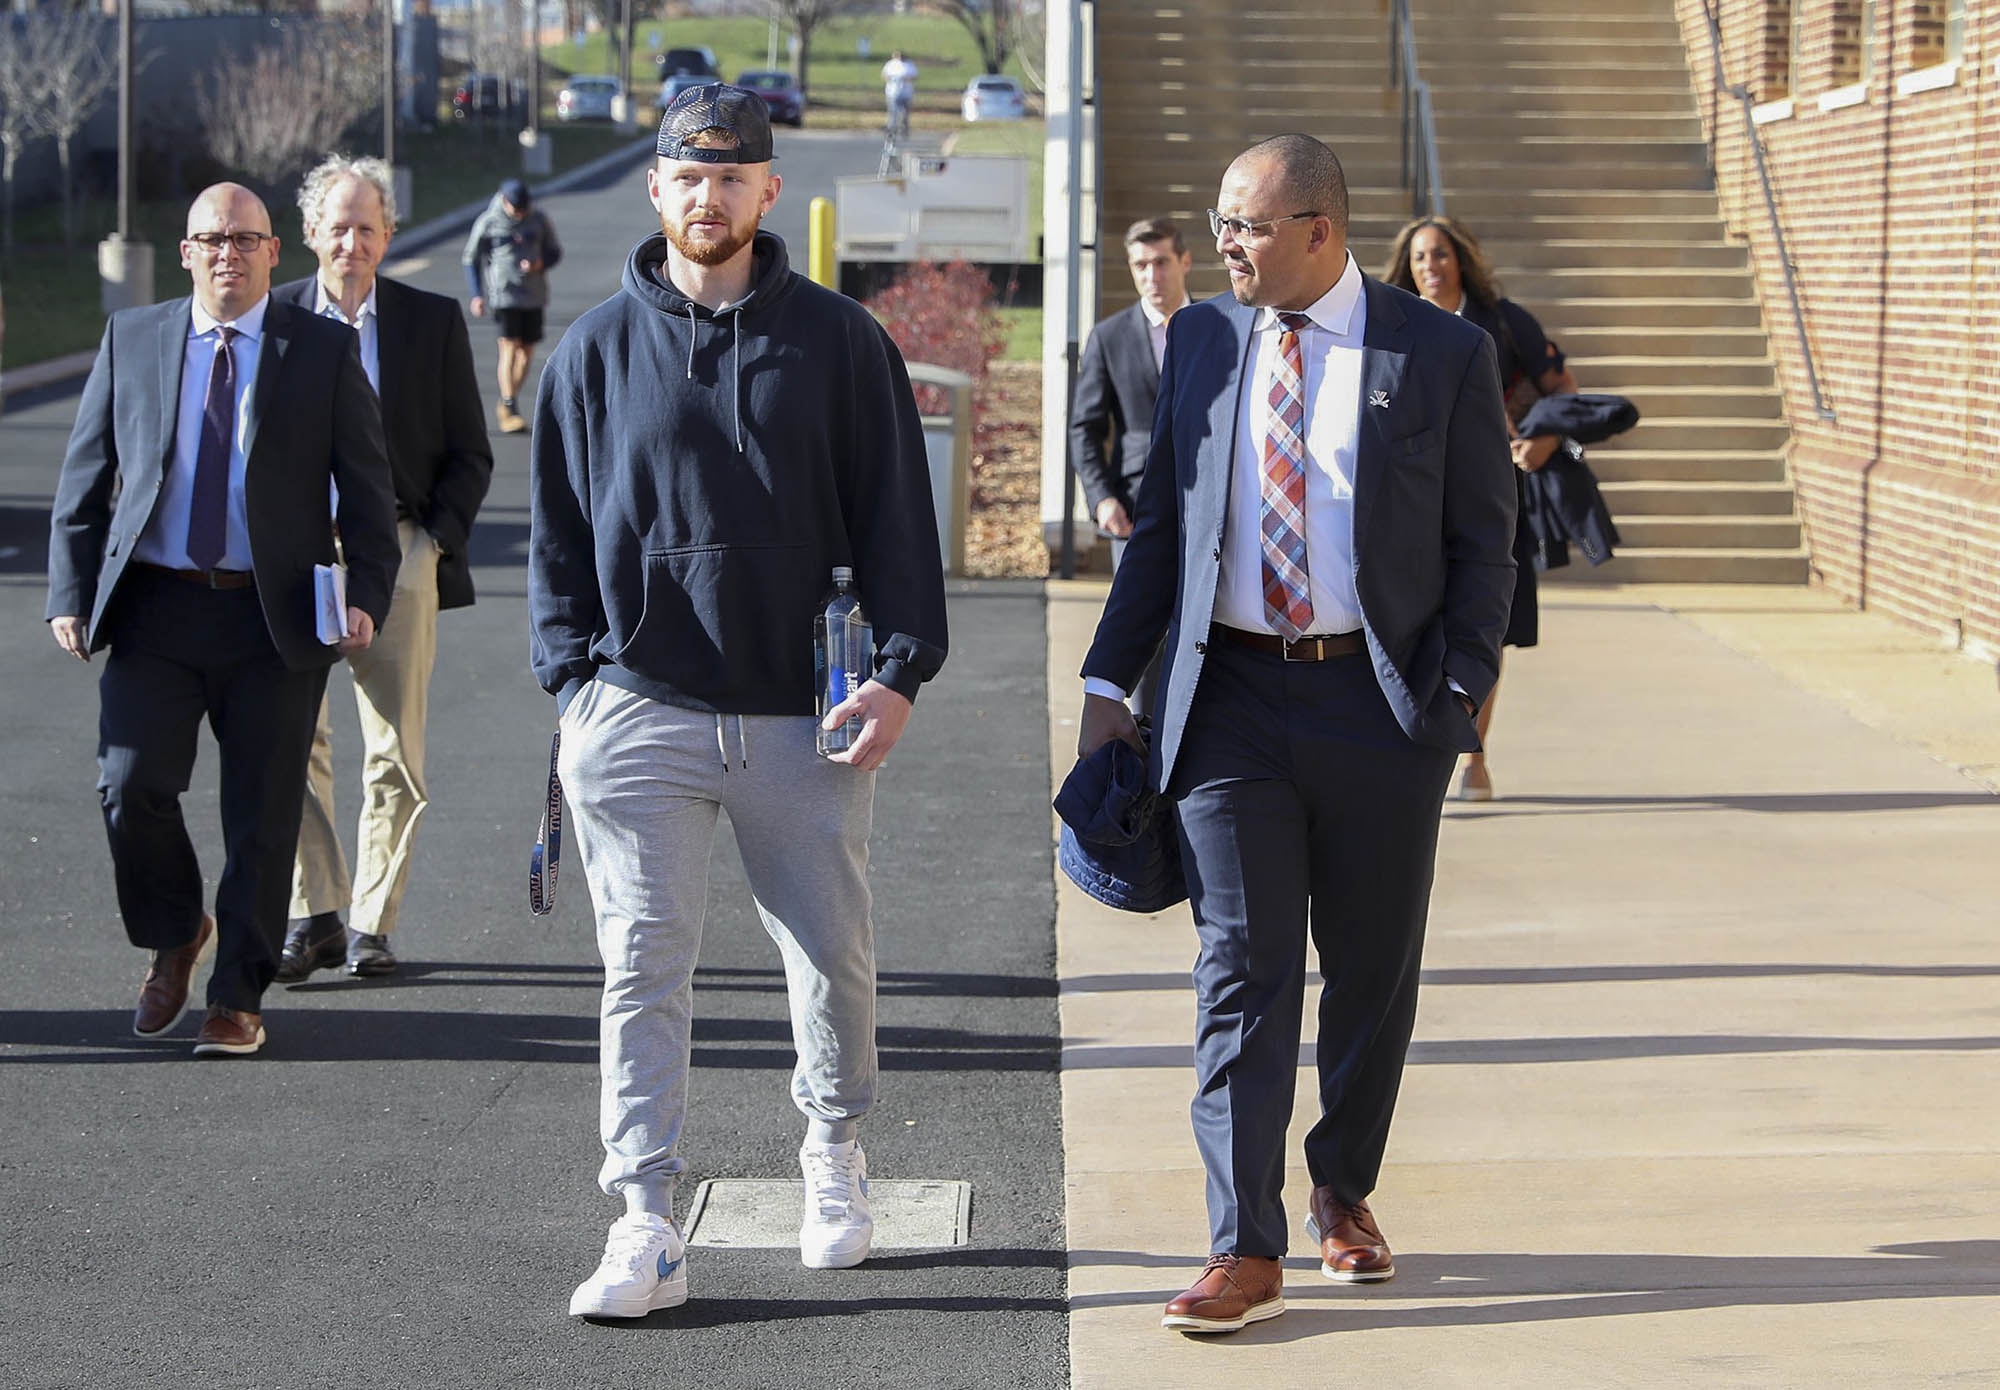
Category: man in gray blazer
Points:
column 1325, row 539
column 191, row 510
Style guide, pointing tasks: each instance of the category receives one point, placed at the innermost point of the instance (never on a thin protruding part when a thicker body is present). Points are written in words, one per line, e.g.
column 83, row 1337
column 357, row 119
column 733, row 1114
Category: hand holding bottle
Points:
column 883, row 714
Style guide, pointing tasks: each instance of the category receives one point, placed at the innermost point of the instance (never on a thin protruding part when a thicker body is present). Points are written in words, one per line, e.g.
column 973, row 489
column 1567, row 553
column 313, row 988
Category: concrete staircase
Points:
column 1571, row 146
column 1183, row 88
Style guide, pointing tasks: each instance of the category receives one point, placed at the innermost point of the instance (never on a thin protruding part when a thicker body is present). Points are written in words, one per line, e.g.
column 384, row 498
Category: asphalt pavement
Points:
column 400, row 1190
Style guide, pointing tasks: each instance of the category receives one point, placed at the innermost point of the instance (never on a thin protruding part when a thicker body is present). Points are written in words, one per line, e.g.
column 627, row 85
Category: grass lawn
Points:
column 1024, row 334
column 52, row 293
column 844, row 87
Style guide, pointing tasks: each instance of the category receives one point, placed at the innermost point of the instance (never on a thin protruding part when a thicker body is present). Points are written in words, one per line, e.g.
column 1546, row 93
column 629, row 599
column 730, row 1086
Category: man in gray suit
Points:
column 1325, row 539
column 191, row 510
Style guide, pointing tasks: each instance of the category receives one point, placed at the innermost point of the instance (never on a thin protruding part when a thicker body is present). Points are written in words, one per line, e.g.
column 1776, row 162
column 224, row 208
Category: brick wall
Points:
column 1891, row 213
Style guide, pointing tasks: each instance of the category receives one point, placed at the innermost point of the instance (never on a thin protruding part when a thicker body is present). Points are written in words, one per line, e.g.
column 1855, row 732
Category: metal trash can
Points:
column 948, row 445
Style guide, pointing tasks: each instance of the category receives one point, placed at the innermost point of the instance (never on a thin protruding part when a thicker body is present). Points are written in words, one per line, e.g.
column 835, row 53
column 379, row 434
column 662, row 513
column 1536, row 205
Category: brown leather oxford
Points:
column 1233, row 1292
column 163, row 997
column 1351, row 1247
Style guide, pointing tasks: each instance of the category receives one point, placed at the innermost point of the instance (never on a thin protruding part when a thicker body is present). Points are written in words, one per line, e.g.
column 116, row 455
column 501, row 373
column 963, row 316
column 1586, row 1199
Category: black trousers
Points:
column 1304, row 810
column 181, row 654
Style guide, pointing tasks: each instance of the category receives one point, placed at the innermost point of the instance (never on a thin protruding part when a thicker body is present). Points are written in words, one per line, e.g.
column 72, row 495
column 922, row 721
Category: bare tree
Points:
column 80, row 71
column 288, row 103
column 24, row 79
column 804, row 16
column 990, row 22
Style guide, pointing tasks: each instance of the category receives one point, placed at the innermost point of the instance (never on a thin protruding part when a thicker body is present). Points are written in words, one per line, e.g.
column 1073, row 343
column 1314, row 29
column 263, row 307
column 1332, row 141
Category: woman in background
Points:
column 1440, row 259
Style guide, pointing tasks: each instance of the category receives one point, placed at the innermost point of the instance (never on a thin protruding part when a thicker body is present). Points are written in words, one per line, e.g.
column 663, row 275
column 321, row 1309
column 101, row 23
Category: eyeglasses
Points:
column 245, row 242
column 1241, row 227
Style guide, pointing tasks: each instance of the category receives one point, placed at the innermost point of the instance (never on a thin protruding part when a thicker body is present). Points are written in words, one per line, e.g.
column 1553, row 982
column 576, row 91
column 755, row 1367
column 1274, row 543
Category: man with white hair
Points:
column 418, row 357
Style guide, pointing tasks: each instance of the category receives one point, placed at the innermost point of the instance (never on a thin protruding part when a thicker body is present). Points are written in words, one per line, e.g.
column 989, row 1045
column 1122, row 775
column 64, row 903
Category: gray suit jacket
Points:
column 1434, row 504
column 1111, row 419
column 313, row 421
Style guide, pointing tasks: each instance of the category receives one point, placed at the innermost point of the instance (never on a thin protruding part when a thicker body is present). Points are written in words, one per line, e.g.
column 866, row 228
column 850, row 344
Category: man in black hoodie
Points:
column 709, row 444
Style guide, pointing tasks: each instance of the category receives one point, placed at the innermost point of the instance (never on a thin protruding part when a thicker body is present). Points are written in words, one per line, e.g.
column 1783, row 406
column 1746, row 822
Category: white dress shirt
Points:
column 1156, row 327
column 164, row 541
column 1330, row 353
column 364, row 322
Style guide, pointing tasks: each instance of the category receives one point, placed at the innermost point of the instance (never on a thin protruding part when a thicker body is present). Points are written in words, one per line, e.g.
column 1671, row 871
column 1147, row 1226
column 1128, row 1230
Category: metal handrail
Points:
column 1749, row 102
column 1422, row 173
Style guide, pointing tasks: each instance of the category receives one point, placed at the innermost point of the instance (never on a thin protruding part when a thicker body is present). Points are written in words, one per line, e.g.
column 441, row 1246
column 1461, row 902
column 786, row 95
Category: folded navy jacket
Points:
column 1119, row 842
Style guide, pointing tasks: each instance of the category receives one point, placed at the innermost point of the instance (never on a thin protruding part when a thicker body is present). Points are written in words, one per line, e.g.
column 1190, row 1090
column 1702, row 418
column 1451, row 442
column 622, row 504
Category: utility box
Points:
column 939, row 208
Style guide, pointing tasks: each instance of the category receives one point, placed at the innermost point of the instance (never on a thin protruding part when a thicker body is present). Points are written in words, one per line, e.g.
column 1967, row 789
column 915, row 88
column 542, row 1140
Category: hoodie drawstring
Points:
column 742, row 742
column 690, row 342
column 736, row 364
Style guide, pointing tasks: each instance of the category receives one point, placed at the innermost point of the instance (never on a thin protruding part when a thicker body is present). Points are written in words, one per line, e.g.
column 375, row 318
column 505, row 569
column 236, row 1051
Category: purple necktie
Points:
column 1281, row 515
column 208, row 506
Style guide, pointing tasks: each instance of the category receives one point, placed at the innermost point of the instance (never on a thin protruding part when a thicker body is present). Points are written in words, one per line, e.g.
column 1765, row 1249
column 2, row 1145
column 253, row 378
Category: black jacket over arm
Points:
column 432, row 416
column 313, row 422
column 1111, row 419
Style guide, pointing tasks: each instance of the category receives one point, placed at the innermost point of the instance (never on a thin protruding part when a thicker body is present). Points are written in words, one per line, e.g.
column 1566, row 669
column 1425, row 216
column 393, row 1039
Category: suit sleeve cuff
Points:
column 1097, row 685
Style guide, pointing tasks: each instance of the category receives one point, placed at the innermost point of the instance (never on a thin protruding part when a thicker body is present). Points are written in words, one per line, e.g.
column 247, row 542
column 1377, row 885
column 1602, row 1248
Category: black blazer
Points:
column 1111, row 419
column 432, row 415
column 1434, row 506
column 313, row 422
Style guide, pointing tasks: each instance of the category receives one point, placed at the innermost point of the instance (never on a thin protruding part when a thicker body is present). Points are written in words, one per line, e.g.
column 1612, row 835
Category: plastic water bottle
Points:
column 843, row 657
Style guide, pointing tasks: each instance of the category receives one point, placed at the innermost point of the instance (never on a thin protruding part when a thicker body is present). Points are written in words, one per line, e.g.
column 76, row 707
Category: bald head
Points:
column 1302, row 171
column 229, row 280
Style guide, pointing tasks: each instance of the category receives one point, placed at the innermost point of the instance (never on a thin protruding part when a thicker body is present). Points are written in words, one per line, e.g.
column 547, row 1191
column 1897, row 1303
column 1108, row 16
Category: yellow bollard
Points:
column 819, row 254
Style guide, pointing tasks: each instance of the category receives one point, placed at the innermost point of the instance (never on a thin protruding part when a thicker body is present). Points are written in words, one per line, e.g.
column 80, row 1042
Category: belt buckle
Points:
column 1318, row 649
column 208, row 578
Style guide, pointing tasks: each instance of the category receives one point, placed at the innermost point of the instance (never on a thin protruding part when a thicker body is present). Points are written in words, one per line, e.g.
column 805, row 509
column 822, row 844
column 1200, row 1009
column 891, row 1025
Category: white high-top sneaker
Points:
column 644, row 1268
column 837, row 1228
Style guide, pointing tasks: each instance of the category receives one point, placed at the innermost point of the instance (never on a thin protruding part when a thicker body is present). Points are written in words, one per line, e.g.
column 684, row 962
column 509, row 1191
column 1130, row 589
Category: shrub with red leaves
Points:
column 942, row 315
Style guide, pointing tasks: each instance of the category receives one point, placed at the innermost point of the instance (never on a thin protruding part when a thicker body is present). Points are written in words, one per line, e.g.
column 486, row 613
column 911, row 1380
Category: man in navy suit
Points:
column 191, row 510
column 418, row 358
column 1325, row 538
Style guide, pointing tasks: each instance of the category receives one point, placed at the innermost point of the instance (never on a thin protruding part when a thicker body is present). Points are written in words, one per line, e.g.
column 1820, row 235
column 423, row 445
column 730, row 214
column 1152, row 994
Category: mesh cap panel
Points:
column 716, row 106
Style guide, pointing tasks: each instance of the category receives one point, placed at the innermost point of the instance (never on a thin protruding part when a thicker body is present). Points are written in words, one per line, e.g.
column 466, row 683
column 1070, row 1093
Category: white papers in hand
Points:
column 330, row 602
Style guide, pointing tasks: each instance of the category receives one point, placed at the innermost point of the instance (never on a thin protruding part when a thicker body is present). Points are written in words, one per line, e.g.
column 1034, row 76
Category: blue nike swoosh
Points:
column 667, row 1270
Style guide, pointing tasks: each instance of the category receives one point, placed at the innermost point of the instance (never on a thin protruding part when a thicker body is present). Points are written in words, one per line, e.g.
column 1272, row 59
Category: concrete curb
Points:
column 36, row 375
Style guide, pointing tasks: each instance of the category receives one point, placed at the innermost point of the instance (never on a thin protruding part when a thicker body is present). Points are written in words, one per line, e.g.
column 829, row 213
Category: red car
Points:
column 780, row 90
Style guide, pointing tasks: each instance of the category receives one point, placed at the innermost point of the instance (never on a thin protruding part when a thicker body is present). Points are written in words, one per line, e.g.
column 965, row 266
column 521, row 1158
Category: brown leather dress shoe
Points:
column 1233, row 1292
column 164, row 996
column 229, row 1033
column 1351, row 1247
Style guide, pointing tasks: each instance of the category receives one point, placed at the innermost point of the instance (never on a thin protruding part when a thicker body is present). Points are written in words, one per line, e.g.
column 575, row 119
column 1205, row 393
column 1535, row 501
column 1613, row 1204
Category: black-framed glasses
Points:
column 1241, row 227
column 245, row 242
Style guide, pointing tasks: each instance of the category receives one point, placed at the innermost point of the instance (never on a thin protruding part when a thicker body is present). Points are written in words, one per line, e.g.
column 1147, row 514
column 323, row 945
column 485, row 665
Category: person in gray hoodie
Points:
column 710, row 444
column 507, row 258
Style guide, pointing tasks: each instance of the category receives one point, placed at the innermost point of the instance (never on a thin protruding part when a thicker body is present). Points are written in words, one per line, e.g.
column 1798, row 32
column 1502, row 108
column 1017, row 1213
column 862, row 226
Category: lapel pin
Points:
column 1380, row 398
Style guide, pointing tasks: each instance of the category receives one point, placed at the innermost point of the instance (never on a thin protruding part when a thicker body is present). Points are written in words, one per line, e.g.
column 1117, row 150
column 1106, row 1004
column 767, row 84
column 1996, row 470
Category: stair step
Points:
column 1471, row 100
column 1662, row 340
column 1709, row 532
column 1527, row 178
column 1645, row 282
column 1659, row 497
column 1632, row 311
column 1622, row 375
column 1687, row 465
column 1555, row 254
column 1497, row 207
column 1561, row 150
column 1717, row 433
column 1641, row 565
column 1676, row 401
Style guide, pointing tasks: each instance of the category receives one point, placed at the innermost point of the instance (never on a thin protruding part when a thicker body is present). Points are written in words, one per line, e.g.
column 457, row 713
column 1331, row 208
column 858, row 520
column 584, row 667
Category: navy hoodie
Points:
column 697, row 474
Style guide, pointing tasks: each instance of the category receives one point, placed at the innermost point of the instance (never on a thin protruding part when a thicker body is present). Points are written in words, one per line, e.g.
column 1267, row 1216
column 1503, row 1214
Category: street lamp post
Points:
column 536, row 154
column 125, row 264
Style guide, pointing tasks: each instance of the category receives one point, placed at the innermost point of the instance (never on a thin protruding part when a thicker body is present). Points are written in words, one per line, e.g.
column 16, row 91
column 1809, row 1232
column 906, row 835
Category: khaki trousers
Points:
column 392, row 691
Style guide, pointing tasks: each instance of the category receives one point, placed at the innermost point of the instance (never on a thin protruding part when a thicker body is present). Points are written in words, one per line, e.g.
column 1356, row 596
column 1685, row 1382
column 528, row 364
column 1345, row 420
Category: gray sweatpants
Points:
column 644, row 783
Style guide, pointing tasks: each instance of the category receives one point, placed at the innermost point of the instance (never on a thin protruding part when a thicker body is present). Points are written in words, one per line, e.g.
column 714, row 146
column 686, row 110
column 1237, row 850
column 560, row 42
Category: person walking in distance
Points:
column 1111, row 418
column 1324, row 540
column 508, row 257
column 418, row 358
column 899, row 90
column 710, row 445
column 191, row 510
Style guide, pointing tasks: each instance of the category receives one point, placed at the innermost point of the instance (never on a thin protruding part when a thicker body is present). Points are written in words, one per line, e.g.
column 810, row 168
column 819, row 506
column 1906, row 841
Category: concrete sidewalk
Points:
column 1703, row 1083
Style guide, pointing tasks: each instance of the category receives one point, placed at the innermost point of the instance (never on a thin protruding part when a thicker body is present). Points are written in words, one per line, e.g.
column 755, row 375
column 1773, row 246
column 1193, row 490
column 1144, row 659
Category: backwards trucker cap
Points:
column 716, row 106
column 516, row 193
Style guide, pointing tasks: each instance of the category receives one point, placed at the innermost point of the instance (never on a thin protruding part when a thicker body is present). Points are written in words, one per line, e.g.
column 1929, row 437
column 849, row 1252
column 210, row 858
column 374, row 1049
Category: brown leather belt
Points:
column 207, row 579
column 1305, row 649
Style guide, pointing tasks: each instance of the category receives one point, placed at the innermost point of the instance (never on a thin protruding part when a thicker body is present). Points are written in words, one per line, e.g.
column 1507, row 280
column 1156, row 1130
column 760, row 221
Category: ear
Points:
column 771, row 191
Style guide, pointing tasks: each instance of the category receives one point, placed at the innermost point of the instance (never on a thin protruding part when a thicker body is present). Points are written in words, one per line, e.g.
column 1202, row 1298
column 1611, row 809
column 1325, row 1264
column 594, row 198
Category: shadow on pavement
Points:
column 1581, row 974
column 1519, row 1051
column 1768, row 803
column 24, row 539
column 735, row 1312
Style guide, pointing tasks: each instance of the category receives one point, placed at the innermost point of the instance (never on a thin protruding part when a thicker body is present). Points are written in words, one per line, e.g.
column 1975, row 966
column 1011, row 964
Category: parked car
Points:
column 484, row 94
column 991, row 98
column 780, row 90
column 699, row 58
column 681, row 81
column 586, row 99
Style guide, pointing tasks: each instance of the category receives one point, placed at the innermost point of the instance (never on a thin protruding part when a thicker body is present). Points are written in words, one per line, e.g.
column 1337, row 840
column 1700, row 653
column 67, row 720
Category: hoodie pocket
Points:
column 722, row 620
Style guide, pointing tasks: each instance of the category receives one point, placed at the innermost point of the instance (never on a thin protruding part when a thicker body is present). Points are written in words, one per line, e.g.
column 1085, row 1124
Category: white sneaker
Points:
column 837, row 1228
column 644, row 1267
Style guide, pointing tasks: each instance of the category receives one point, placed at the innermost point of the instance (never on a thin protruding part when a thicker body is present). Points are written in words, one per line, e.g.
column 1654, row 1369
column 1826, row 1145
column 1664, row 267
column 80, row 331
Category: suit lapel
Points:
column 1384, row 354
column 270, row 361
column 390, row 343
column 1213, row 488
column 174, row 329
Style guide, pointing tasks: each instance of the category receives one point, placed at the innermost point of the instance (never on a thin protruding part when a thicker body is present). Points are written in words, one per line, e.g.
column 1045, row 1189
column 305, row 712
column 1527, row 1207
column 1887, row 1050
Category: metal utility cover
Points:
column 760, row 1214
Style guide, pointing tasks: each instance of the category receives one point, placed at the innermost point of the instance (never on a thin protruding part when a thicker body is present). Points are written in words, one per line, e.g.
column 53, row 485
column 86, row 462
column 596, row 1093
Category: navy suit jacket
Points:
column 1434, row 504
column 313, row 422
column 1111, row 419
column 435, row 425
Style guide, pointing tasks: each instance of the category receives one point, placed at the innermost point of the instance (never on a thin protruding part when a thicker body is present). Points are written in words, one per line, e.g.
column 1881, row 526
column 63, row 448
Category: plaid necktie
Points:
column 208, row 503
column 1281, row 517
